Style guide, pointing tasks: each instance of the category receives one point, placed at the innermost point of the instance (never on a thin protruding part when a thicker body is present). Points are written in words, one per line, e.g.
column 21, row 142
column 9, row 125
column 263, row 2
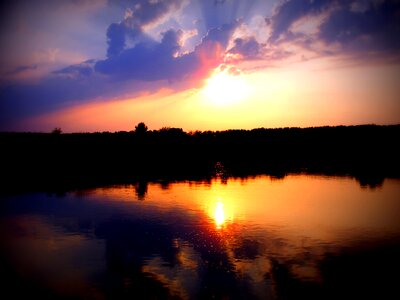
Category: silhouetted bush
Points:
column 141, row 128
column 56, row 130
column 34, row 159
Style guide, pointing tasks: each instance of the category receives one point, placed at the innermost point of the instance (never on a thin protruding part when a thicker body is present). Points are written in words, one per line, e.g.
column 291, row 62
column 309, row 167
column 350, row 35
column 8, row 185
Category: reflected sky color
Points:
column 322, row 208
column 252, row 236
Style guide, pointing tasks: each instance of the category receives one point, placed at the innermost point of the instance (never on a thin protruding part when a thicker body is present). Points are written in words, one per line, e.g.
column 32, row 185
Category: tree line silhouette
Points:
column 56, row 159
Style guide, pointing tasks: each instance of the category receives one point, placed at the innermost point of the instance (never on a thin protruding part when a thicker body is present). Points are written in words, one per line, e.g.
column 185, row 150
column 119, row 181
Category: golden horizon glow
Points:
column 269, row 98
column 223, row 88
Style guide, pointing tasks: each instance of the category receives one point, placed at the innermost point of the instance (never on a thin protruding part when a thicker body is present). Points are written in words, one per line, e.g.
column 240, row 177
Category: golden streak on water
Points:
column 219, row 214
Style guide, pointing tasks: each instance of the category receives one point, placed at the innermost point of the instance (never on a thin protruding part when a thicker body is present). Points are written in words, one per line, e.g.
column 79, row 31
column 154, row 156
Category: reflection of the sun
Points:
column 219, row 214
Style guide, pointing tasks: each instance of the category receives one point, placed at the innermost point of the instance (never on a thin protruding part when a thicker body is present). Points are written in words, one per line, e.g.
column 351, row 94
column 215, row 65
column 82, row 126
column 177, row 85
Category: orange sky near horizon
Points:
column 311, row 93
column 88, row 66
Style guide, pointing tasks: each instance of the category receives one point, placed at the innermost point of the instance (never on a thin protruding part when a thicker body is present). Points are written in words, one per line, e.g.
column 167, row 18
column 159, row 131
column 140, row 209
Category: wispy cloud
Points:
column 21, row 69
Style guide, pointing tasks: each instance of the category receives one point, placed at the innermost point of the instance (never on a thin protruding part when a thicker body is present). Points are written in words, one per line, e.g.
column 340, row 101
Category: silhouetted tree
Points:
column 367, row 152
column 141, row 128
column 56, row 130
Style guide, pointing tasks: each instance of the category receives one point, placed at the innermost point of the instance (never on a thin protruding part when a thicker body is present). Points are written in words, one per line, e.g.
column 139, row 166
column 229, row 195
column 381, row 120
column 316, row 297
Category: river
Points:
column 297, row 237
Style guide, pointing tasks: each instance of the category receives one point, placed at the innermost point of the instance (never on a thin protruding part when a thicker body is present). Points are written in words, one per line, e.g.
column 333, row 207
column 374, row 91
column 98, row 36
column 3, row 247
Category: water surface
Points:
column 311, row 237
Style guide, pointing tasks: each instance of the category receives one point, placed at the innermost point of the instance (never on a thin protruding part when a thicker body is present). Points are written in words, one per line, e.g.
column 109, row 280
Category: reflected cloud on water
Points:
column 298, row 237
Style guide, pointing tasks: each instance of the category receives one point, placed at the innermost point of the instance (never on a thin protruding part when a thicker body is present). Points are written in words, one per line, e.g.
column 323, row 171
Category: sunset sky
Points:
column 105, row 65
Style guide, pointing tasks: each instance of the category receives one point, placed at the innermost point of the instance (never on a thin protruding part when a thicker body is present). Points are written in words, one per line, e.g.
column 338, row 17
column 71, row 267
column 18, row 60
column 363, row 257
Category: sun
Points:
column 223, row 89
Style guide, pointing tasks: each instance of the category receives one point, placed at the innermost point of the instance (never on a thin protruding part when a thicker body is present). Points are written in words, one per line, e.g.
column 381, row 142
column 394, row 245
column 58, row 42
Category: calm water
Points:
column 301, row 237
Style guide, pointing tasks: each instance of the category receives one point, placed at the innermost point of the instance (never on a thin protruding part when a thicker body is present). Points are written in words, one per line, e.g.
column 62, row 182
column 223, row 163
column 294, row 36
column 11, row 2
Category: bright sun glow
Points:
column 219, row 214
column 223, row 88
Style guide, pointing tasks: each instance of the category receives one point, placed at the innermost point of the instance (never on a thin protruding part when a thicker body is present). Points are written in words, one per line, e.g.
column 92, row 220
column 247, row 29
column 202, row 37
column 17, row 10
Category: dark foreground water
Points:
column 301, row 237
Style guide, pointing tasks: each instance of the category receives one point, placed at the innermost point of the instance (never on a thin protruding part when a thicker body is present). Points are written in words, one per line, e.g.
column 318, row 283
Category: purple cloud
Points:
column 138, row 13
column 290, row 11
column 162, row 60
column 247, row 48
column 372, row 27
column 75, row 71
column 21, row 69
column 354, row 27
